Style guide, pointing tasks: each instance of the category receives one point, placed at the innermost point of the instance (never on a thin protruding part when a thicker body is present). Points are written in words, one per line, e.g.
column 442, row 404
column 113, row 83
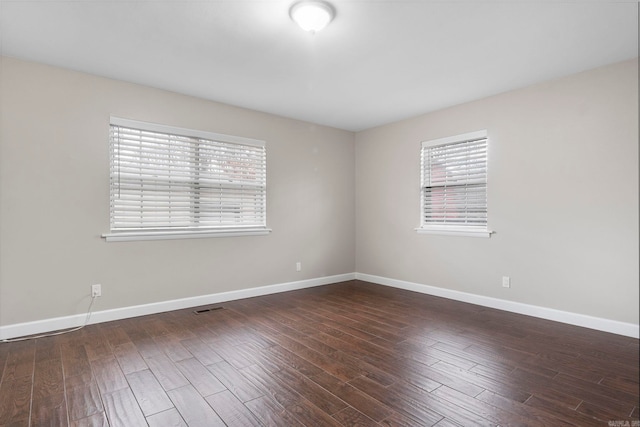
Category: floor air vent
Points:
column 206, row 310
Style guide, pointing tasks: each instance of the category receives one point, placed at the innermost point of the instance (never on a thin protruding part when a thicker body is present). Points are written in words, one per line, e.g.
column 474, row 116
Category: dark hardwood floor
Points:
column 351, row 354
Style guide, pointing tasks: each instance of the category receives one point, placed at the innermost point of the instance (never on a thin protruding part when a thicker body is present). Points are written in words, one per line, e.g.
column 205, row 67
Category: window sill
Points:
column 128, row 236
column 462, row 232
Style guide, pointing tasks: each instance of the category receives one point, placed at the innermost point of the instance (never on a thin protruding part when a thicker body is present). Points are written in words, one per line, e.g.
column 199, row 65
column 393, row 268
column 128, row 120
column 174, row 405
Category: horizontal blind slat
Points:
column 454, row 177
column 162, row 181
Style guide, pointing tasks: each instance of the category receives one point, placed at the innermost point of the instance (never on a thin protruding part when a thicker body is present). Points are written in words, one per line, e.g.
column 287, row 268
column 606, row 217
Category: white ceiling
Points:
column 379, row 61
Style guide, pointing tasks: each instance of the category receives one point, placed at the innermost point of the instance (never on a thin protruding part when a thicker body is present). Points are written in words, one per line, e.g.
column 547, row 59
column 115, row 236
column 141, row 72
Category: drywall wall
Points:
column 54, row 199
column 562, row 197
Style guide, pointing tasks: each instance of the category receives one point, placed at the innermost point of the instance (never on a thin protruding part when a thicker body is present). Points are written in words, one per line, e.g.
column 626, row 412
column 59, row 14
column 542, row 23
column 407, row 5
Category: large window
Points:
column 169, row 182
column 454, row 185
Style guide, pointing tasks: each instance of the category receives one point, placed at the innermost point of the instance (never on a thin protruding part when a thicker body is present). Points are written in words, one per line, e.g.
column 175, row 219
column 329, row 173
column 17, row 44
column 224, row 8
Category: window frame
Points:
column 185, row 231
column 444, row 228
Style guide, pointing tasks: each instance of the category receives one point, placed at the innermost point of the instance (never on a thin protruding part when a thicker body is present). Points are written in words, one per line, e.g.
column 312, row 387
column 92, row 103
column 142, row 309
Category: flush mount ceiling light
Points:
column 312, row 15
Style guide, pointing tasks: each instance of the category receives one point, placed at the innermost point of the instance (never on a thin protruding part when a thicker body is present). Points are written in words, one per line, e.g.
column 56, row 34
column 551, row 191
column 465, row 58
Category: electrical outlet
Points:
column 298, row 266
column 96, row 290
column 506, row 282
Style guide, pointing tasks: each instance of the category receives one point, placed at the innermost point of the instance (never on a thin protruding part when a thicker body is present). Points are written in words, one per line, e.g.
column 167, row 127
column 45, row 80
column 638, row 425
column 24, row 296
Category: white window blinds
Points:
column 167, row 179
column 454, row 183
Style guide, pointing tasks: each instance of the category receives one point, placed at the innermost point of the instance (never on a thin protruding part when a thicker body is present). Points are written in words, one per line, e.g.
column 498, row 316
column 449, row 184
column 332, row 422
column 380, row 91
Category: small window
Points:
column 169, row 182
column 454, row 185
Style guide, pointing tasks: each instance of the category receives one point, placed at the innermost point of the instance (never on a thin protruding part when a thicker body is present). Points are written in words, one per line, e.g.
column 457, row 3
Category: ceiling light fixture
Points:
column 312, row 15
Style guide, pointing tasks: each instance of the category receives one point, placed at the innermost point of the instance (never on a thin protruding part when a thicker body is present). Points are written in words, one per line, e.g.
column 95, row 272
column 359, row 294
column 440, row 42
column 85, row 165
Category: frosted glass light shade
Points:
column 312, row 15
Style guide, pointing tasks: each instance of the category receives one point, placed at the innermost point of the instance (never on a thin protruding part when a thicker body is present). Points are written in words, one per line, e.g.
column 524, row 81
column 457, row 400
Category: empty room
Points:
column 319, row 213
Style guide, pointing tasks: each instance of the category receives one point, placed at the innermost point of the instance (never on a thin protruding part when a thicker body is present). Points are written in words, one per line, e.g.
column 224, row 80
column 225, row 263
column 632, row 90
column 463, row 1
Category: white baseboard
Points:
column 600, row 324
column 54, row 324
column 58, row 323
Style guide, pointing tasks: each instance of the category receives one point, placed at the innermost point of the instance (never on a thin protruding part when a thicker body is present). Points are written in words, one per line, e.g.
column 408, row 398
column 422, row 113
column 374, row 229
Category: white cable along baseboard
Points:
column 54, row 324
column 48, row 325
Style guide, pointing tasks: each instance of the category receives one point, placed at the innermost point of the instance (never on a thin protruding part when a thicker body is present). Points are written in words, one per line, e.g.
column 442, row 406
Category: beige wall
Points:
column 563, row 197
column 54, row 196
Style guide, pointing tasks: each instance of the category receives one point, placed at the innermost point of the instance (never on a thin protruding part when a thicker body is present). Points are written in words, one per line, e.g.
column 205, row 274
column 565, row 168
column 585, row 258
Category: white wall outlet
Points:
column 506, row 282
column 298, row 266
column 96, row 290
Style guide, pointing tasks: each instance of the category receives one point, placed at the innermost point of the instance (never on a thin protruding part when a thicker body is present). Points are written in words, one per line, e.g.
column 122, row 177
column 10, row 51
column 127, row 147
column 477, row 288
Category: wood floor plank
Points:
column 15, row 403
column 108, row 375
column 48, row 378
column 201, row 351
column 149, row 393
column 115, row 335
column 601, row 412
column 333, row 322
column 48, row 402
column 234, row 381
column 97, row 345
column 311, row 391
column 20, row 361
column 381, row 328
column 172, row 347
column 231, row 410
column 350, row 353
column 229, row 353
column 301, row 408
column 195, row 411
column 166, row 372
column 521, row 409
column 485, row 410
column 311, row 415
column 617, row 401
column 461, row 350
column 74, row 360
column 258, row 356
column 96, row 420
column 364, row 403
column 310, row 341
column 200, row 377
column 122, row 409
column 169, row 418
column 78, row 380
column 270, row 413
column 398, row 420
column 424, row 377
column 154, row 326
column 353, row 418
column 562, row 413
column 50, row 410
column 351, row 346
column 47, row 348
column 372, row 328
column 268, row 385
column 403, row 369
column 293, row 361
column 146, row 346
column 415, row 350
column 446, row 423
column 412, row 408
column 338, row 364
column 423, row 401
column 83, row 401
column 129, row 358
column 354, row 346
column 372, row 311
column 506, row 388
